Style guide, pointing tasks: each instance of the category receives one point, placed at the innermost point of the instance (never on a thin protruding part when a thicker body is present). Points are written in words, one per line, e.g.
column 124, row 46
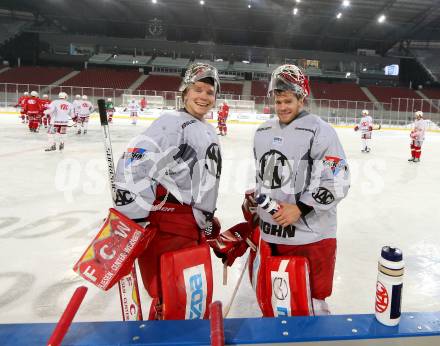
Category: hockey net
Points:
column 151, row 101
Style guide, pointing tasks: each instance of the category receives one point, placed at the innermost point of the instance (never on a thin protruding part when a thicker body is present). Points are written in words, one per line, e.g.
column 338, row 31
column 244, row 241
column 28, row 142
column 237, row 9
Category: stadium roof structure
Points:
column 263, row 23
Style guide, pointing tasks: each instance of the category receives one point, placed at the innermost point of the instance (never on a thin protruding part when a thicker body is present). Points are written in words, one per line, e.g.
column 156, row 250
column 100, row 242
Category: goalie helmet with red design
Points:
column 289, row 77
column 197, row 72
column 419, row 115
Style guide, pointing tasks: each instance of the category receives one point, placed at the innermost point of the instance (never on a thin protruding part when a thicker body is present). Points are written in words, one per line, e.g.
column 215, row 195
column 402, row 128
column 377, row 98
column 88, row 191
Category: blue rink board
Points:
column 414, row 328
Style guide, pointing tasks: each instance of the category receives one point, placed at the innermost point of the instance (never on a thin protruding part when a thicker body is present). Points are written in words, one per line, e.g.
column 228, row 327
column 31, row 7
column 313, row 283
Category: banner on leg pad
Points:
column 111, row 254
column 288, row 286
column 186, row 277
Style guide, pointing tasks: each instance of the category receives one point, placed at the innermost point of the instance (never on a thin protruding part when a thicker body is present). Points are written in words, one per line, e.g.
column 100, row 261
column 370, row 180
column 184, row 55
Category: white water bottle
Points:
column 267, row 204
column 389, row 286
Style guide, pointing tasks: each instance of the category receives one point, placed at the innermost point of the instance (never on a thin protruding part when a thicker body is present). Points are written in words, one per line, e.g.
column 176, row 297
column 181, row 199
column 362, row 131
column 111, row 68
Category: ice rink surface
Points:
column 52, row 203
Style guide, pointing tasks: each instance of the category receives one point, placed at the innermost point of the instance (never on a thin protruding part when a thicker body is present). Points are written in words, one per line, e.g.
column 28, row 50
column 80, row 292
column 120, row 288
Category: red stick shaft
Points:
column 217, row 329
column 67, row 317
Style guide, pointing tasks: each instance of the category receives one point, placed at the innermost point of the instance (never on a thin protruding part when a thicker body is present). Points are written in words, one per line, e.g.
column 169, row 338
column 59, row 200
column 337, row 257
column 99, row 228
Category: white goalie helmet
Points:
column 78, row 96
column 198, row 71
column 34, row 93
column 289, row 77
column 365, row 112
column 84, row 97
column 62, row 95
column 419, row 114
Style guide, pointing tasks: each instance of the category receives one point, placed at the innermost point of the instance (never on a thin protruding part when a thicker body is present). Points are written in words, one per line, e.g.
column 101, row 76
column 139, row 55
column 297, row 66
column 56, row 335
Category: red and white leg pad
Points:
column 281, row 283
column 187, row 286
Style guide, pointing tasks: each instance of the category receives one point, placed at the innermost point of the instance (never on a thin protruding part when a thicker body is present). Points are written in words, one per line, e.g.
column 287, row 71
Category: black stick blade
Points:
column 102, row 112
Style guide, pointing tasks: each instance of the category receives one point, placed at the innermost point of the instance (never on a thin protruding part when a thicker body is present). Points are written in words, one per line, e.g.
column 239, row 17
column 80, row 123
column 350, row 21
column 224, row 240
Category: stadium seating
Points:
column 399, row 99
column 433, row 94
column 161, row 83
column 104, row 78
column 32, row 76
column 231, row 88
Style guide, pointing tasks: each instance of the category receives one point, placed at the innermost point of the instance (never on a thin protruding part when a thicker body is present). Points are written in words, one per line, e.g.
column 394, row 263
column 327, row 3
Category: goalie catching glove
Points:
column 232, row 243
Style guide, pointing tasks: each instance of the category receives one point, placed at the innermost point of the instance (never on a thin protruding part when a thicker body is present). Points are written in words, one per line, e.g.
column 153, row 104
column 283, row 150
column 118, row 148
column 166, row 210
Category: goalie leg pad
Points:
column 322, row 258
column 287, row 286
column 186, row 283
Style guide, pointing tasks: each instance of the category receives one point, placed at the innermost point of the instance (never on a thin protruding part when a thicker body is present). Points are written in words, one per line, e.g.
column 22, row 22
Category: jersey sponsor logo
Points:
column 123, row 197
column 277, row 141
column 274, row 170
column 277, row 230
column 196, row 292
column 334, row 163
column 264, row 128
column 187, row 123
column 133, row 154
column 213, row 160
column 323, row 196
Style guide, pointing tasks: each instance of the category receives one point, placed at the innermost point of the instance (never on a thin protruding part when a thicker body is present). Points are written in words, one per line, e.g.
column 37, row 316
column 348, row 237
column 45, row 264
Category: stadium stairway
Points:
column 60, row 81
column 424, row 97
column 138, row 82
column 372, row 97
column 247, row 86
column 4, row 69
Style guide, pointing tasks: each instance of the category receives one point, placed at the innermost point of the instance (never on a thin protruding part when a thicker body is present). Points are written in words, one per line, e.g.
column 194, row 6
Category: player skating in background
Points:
column 110, row 109
column 76, row 107
column 32, row 109
column 366, row 128
column 133, row 107
column 223, row 113
column 86, row 108
column 143, row 103
column 175, row 166
column 60, row 112
column 20, row 103
column 417, row 136
column 44, row 105
column 302, row 167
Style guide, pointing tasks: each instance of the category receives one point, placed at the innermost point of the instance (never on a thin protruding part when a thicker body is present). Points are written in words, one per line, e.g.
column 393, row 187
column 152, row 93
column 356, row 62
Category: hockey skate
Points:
column 367, row 150
column 61, row 147
column 51, row 148
column 78, row 132
column 416, row 160
column 85, row 131
column 411, row 159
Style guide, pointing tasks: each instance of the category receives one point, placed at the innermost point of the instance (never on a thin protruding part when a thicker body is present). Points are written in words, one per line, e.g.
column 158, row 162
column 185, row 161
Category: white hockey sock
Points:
column 367, row 143
column 50, row 139
column 320, row 307
column 364, row 143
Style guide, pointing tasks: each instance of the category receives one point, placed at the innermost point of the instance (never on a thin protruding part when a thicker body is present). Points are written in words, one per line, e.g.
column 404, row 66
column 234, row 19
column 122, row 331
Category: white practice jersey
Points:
column 301, row 163
column 76, row 106
column 85, row 109
column 366, row 124
column 420, row 129
column 177, row 151
column 60, row 111
column 133, row 107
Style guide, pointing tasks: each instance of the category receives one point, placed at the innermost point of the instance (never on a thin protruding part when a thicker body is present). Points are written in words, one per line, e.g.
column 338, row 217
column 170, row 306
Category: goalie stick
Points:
column 128, row 285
